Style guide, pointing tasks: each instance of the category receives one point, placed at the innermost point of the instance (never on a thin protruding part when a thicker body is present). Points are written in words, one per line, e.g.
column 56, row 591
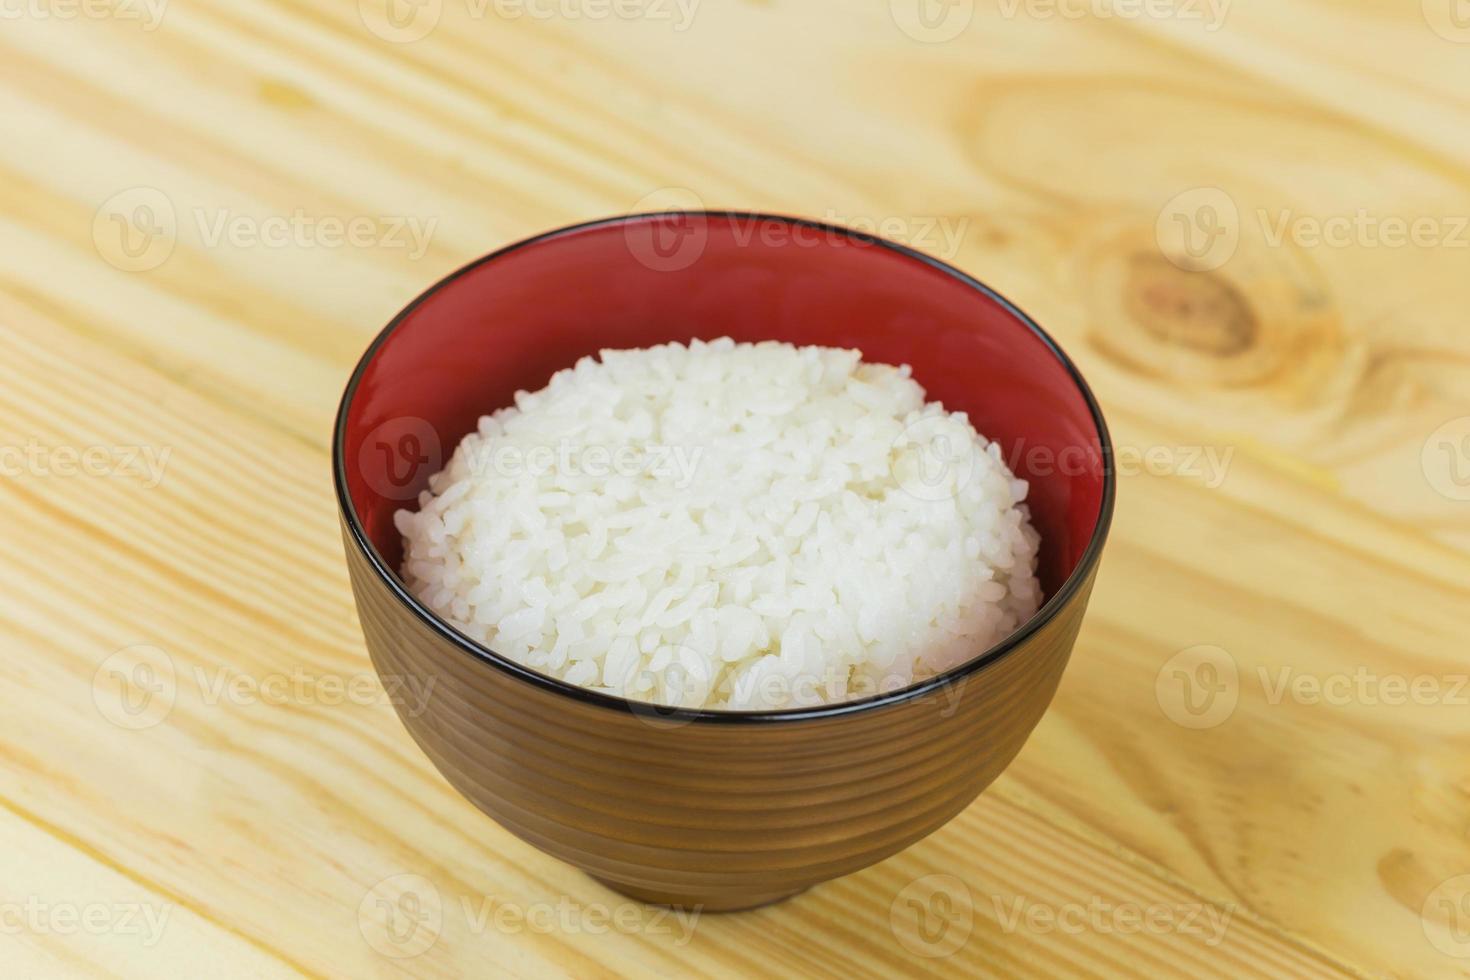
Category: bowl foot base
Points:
column 716, row 902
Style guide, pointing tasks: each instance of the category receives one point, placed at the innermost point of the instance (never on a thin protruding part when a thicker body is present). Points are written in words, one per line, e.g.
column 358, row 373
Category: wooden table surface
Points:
column 1247, row 222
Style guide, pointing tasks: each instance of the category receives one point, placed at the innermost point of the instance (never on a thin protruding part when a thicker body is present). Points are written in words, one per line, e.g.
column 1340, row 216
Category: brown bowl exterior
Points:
column 723, row 814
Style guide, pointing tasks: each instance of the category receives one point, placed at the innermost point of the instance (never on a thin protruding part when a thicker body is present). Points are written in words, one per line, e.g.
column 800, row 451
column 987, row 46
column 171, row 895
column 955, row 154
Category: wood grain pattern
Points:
column 259, row 814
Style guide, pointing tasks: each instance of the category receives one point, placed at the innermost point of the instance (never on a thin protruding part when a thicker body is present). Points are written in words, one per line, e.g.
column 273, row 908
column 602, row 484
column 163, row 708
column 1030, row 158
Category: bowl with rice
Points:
column 733, row 552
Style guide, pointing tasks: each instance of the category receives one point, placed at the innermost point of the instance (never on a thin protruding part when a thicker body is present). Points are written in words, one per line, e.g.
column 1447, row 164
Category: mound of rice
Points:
column 743, row 526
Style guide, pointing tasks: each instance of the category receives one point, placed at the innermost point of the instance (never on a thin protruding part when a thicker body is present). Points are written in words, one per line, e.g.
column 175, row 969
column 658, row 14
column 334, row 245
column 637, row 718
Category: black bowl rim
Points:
column 1049, row 610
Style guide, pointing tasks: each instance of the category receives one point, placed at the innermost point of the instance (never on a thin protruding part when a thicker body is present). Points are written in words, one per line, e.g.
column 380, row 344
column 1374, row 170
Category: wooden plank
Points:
column 1285, row 502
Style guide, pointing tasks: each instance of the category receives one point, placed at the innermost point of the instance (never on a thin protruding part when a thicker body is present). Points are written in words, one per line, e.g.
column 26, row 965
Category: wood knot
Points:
column 1262, row 319
column 1199, row 311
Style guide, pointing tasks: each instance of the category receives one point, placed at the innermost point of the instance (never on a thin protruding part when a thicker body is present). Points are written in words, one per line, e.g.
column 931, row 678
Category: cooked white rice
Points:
column 727, row 525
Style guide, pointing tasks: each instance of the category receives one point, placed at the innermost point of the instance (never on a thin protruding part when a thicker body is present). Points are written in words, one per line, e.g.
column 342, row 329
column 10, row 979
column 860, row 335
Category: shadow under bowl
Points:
column 718, row 809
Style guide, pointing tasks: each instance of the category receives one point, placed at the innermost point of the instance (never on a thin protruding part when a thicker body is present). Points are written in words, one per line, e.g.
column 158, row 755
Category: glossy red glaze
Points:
column 509, row 321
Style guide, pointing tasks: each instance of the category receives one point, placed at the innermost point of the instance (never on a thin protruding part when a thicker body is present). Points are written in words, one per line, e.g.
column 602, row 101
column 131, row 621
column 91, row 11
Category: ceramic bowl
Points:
column 718, row 809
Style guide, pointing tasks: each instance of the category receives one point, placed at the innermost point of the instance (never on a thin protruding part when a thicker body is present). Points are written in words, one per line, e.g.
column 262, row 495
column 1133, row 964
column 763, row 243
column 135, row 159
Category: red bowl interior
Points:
column 507, row 322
